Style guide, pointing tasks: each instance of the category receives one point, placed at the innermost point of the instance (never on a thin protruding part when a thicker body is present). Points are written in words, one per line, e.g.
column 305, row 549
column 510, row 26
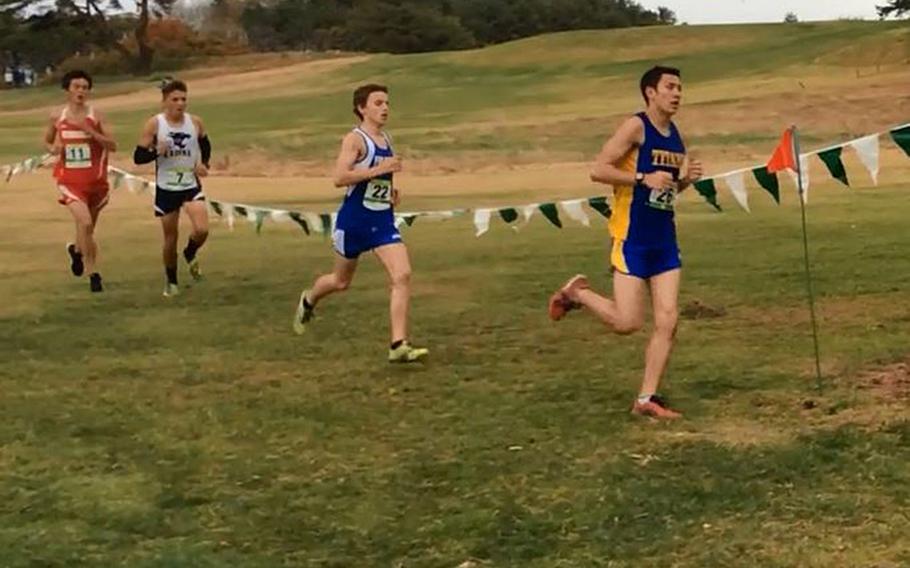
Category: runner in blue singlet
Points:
column 366, row 221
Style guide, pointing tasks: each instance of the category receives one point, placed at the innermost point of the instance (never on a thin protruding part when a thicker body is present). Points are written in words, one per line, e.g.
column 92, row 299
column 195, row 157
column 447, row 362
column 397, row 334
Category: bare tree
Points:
column 147, row 9
column 896, row 8
column 666, row 15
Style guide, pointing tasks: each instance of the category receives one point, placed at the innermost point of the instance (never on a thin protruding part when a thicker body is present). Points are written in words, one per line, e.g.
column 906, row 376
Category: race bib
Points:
column 662, row 199
column 77, row 156
column 183, row 179
column 378, row 195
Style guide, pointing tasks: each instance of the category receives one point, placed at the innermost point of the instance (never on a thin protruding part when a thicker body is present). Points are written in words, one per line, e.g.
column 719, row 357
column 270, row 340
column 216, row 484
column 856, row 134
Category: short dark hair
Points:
column 652, row 76
column 171, row 86
column 362, row 94
column 70, row 76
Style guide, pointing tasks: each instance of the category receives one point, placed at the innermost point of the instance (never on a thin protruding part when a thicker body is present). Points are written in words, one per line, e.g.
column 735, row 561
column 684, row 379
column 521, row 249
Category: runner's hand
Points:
column 389, row 166
column 88, row 128
column 694, row 173
column 396, row 197
column 201, row 170
column 659, row 180
column 162, row 147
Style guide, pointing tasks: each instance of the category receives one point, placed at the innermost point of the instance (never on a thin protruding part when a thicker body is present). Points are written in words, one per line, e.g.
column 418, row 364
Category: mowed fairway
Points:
column 201, row 432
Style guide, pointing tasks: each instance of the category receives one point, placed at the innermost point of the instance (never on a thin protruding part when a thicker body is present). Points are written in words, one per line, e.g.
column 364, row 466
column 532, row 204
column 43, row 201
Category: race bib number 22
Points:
column 378, row 195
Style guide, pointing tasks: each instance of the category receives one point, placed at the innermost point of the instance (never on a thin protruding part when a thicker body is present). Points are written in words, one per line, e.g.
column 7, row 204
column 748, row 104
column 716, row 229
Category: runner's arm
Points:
column 353, row 149
column 205, row 145
column 606, row 169
column 145, row 151
column 624, row 140
column 50, row 135
column 103, row 134
column 694, row 172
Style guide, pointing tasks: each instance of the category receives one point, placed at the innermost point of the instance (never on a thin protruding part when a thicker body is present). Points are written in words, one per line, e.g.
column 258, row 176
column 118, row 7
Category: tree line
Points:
column 45, row 33
column 405, row 26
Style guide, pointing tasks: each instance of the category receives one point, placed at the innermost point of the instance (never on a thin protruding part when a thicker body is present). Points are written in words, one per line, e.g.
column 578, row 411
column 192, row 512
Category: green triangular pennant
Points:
column 832, row 159
column 326, row 223
column 600, row 205
column 549, row 211
column 508, row 215
column 216, row 207
column 240, row 210
column 116, row 178
column 260, row 218
column 768, row 181
column 295, row 216
column 409, row 219
column 707, row 190
column 901, row 137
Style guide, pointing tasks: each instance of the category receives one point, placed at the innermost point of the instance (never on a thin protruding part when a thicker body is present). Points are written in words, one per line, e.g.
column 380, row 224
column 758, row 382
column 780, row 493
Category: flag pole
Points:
column 809, row 288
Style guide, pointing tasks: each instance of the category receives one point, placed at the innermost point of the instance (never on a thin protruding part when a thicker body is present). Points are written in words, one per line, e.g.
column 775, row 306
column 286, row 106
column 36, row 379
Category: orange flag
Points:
column 783, row 158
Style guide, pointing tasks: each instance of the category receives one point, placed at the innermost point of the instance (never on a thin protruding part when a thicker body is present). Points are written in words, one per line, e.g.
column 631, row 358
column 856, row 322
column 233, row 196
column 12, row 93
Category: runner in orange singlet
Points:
column 81, row 140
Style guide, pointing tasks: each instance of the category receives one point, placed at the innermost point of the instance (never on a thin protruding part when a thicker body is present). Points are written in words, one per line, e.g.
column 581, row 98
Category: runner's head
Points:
column 661, row 88
column 77, row 84
column 173, row 97
column 371, row 103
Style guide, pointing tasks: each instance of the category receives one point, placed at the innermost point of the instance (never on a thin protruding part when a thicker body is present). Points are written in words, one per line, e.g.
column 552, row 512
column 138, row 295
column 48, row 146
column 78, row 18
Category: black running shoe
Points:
column 76, row 265
column 95, row 282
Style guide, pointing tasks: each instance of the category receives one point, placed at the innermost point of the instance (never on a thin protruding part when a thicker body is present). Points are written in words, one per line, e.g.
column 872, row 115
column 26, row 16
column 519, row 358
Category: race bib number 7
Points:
column 378, row 195
column 181, row 178
column 77, row 156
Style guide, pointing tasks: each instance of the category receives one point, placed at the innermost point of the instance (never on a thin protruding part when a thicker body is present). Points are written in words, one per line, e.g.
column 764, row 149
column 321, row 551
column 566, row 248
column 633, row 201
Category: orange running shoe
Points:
column 655, row 407
column 560, row 302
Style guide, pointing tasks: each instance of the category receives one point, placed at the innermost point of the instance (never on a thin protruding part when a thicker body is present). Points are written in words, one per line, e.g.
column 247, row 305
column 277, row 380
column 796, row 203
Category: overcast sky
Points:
column 728, row 11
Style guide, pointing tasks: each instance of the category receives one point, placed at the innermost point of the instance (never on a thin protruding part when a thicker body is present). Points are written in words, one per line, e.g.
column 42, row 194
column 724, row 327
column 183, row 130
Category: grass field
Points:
column 202, row 432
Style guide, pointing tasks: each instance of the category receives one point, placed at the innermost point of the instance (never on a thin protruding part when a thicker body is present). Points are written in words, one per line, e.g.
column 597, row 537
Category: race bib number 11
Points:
column 78, row 156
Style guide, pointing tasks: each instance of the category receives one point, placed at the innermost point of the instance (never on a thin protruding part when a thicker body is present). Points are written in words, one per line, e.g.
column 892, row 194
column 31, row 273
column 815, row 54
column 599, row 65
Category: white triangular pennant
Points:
column 228, row 214
column 804, row 174
column 134, row 184
column 867, row 150
column 573, row 209
column 482, row 221
column 280, row 216
column 527, row 211
column 313, row 221
column 737, row 184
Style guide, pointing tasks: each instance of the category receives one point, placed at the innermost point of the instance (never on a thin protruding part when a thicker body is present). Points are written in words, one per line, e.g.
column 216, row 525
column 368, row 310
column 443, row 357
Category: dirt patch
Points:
column 889, row 382
column 871, row 310
column 870, row 399
column 696, row 309
column 737, row 432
